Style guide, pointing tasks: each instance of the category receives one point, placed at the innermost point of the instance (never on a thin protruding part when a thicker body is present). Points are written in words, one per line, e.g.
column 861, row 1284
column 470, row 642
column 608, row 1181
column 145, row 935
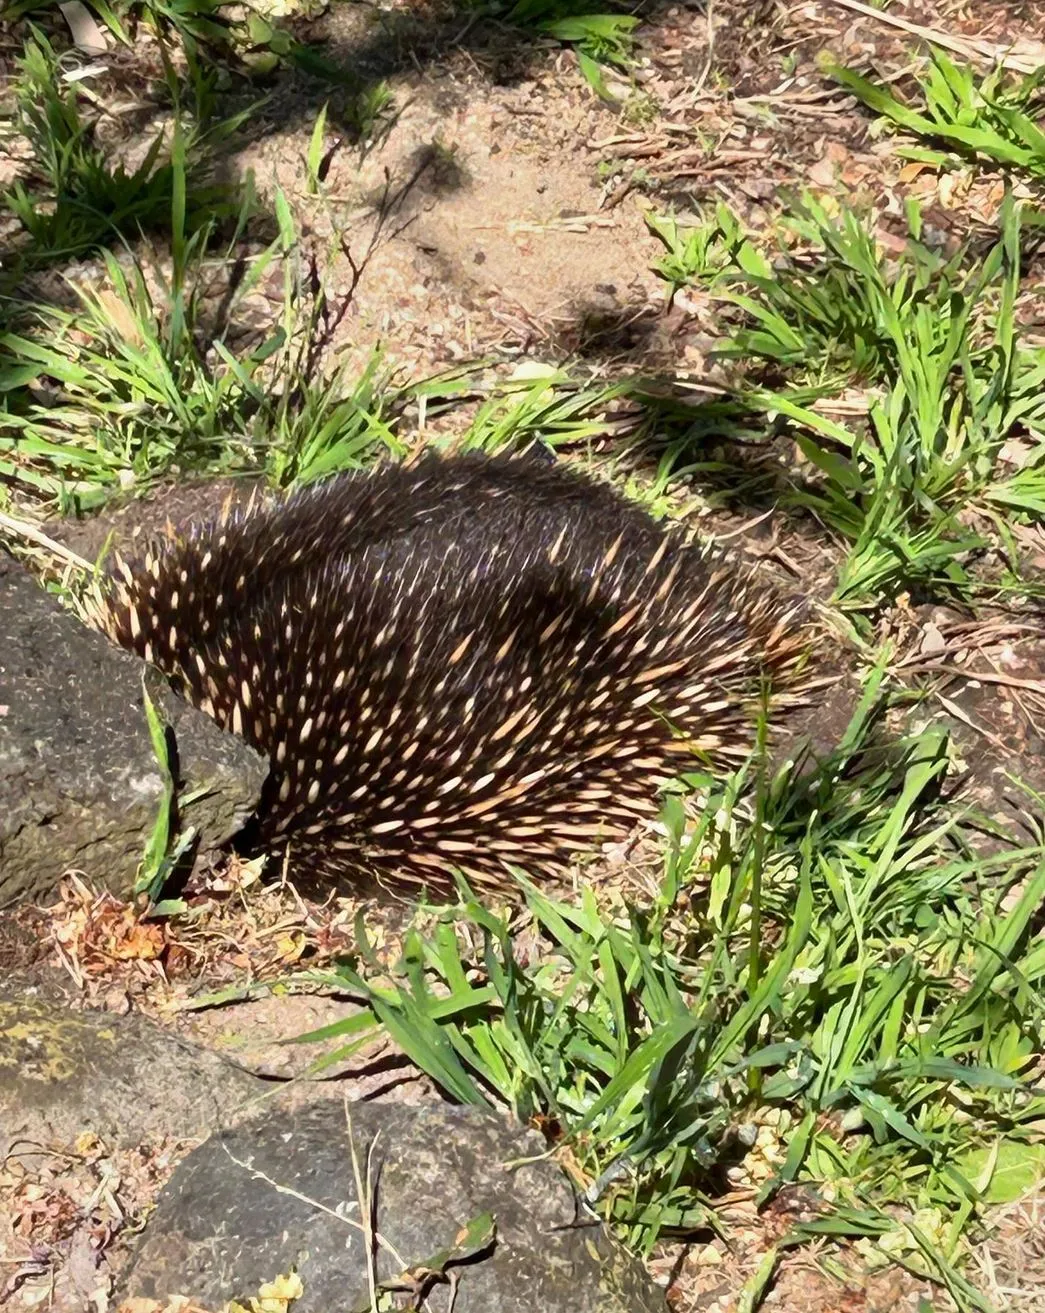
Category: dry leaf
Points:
column 911, row 171
column 87, row 35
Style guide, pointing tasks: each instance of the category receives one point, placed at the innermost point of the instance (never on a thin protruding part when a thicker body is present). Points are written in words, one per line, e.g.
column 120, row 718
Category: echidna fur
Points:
column 461, row 662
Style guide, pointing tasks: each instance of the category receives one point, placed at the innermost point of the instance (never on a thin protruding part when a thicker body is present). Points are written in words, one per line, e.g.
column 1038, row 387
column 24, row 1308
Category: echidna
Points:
column 460, row 662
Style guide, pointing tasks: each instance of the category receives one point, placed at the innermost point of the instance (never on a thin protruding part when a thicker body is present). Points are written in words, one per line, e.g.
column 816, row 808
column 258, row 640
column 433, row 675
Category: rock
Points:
column 279, row 1193
column 254, row 1032
column 80, row 784
column 124, row 1079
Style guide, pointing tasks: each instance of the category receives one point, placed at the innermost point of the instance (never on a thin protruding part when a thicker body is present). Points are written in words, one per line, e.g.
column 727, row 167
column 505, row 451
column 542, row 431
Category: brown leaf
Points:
column 911, row 170
column 822, row 173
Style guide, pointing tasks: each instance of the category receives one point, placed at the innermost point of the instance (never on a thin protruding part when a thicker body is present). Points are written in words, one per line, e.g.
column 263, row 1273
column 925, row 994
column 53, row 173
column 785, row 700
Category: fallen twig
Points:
column 1025, row 59
column 23, row 529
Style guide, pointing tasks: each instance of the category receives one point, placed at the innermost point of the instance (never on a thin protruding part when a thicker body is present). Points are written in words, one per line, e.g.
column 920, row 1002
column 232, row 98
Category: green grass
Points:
column 995, row 120
column 258, row 43
column 827, row 967
column 150, row 376
column 935, row 346
column 208, row 30
column 600, row 40
column 76, row 200
column 191, row 21
column 140, row 381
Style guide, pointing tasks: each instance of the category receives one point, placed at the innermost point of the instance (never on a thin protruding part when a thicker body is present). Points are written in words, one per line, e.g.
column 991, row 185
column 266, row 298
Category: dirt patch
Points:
column 1012, row 1258
column 985, row 679
column 479, row 213
column 709, row 1276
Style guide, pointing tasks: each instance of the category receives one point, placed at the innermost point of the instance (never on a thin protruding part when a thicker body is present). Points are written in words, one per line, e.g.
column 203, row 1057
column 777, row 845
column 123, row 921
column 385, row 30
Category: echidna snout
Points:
column 464, row 662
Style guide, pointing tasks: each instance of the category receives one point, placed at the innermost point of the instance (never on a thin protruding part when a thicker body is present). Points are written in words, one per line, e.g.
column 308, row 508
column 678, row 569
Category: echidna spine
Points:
column 462, row 662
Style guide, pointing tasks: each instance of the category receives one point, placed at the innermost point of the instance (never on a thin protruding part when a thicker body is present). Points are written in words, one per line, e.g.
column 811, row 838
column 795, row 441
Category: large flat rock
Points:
column 123, row 1079
column 279, row 1193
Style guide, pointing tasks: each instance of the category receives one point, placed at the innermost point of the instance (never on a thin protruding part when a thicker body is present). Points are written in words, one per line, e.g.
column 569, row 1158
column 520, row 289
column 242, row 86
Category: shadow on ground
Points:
column 338, row 61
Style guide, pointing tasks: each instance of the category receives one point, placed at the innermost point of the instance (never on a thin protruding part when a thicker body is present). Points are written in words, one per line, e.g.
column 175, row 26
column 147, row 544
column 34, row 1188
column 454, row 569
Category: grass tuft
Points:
column 949, row 385
column 784, row 1006
column 994, row 119
column 154, row 373
column 76, row 199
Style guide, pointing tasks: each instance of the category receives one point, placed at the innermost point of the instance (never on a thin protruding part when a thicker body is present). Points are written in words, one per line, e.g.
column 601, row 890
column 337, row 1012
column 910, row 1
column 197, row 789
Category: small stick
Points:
column 32, row 534
column 1018, row 63
column 702, row 78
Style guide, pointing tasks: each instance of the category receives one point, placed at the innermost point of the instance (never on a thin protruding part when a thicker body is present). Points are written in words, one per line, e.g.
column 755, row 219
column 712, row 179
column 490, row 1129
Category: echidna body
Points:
column 458, row 663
